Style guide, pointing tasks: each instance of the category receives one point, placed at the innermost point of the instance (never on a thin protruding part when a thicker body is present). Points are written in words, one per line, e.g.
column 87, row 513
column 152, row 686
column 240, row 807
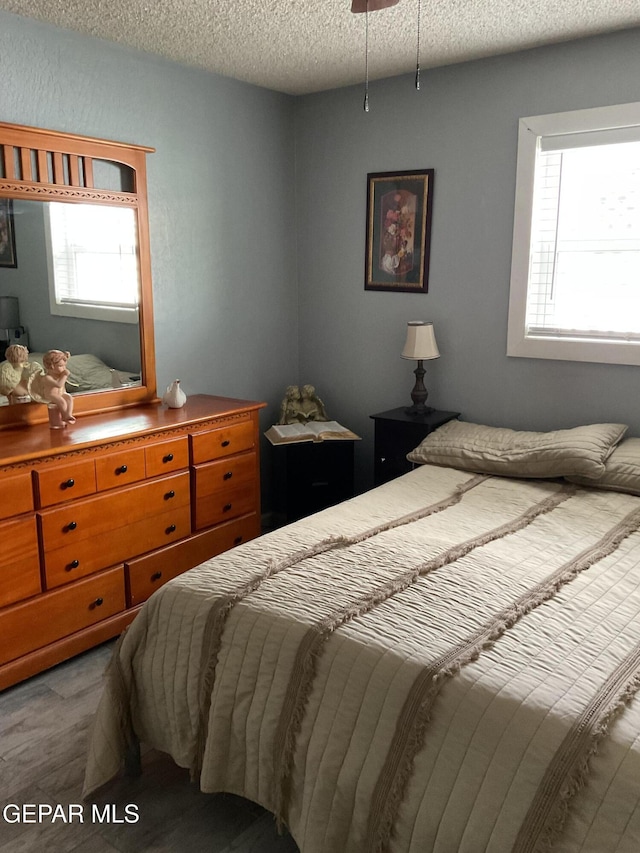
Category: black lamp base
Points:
column 419, row 394
column 419, row 410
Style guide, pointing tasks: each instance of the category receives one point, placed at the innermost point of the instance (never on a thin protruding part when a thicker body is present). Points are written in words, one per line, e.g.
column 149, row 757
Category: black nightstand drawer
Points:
column 311, row 476
column 398, row 433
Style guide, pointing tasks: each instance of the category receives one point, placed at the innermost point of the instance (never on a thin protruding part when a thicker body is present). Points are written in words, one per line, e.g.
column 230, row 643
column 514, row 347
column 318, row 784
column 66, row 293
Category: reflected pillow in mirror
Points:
column 87, row 372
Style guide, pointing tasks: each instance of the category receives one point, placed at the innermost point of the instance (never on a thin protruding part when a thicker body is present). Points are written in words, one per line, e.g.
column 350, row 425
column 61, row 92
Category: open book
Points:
column 311, row 431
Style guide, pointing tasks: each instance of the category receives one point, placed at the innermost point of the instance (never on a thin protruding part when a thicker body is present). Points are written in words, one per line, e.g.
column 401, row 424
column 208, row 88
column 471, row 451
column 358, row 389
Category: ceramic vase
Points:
column 174, row 397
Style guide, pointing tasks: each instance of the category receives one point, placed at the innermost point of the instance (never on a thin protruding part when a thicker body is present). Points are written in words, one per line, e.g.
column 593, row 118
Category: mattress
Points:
column 446, row 663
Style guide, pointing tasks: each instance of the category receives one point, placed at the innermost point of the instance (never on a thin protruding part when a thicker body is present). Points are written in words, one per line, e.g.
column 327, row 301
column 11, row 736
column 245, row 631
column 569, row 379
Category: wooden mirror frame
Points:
column 48, row 165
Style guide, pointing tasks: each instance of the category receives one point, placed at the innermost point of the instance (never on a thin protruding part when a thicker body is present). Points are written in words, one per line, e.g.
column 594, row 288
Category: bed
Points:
column 448, row 662
column 87, row 372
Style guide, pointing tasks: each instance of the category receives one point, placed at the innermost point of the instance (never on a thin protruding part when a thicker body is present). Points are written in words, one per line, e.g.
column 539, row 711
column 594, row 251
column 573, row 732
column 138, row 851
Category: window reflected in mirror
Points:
column 92, row 257
column 76, row 287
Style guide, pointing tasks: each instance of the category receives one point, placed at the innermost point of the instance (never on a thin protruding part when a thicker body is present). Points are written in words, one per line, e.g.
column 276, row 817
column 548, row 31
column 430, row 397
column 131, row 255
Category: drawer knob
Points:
column 168, row 457
column 226, row 507
column 72, row 525
column 98, row 602
column 237, row 540
column 122, row 469
column 156, row 576
column 69, row 484
column 226, row 442
column 72, row 565
column 170, row 494
column 228, row 475
column 171, row 528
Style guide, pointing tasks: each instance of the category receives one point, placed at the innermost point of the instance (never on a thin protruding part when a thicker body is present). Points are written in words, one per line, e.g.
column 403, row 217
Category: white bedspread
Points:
column 447, row 663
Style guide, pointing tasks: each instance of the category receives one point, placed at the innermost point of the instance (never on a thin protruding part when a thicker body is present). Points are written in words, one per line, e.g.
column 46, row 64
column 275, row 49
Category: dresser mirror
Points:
column 75, row 267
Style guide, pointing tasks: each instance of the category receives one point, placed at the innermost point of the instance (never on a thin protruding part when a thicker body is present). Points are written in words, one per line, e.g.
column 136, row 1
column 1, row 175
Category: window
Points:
column 93, row 261
column 575, row 270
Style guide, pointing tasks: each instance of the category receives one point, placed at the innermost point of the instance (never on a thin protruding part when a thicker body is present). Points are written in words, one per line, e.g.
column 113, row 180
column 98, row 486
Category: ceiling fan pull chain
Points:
column 418, row 48
column 366, row 58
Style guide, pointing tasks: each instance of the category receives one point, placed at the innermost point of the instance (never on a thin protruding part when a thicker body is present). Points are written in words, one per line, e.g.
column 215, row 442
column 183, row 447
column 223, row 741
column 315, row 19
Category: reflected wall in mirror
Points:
column 82, row 279
column 76, row 288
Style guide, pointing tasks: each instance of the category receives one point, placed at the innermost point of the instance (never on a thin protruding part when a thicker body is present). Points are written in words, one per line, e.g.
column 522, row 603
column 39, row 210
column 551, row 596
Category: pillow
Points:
column 621, row 470
column 581, row 451
column 87, row 372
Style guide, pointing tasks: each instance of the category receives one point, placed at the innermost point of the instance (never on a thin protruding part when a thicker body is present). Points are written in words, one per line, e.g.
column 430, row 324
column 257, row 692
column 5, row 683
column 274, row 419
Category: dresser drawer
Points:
column 109, row 513
column 19, row 564
column 87, row 556
column 167, row 456
column 231, row 533
column 225, row 474
column 224, row 489
column 223, row 441
column 36, row 623
column 64, row 482
column 210, row 509
column 146, row 574
column 16, row 494
column 120, row 468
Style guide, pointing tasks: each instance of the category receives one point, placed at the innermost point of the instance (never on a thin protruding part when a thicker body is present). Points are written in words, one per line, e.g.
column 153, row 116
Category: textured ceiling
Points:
column 300, row 46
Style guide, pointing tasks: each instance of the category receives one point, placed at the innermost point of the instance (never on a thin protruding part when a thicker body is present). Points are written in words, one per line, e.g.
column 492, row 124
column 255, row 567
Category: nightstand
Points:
column 396, row 434
column 311, row 475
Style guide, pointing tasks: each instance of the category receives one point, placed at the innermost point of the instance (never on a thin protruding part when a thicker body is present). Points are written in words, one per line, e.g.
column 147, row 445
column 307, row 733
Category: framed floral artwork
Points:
column 399, row 209
column 7, row 235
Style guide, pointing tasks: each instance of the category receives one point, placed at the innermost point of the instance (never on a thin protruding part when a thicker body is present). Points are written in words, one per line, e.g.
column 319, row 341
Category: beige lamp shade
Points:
column 421, row 341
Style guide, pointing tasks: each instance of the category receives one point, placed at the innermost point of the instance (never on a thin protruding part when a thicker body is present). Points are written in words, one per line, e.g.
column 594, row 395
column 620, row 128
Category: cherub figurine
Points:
column 49, row 387
column 311, row 406
column 290, row 406
column 301, row 405
column 14, row 376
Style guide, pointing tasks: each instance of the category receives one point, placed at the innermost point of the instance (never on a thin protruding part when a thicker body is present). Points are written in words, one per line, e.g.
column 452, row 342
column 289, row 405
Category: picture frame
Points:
column 7, row 234
column 398, row 244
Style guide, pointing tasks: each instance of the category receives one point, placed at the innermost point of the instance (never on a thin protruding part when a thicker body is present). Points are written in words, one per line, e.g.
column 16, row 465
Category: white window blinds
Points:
column 93, row 261
column 584, row 277
column 575, row 263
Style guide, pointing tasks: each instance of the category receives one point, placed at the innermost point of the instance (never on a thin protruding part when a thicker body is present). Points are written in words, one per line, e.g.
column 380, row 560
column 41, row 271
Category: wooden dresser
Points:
column 95, row 517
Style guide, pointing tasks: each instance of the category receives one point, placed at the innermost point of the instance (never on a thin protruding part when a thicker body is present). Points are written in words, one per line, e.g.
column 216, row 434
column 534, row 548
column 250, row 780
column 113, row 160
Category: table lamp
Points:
column 419, row 346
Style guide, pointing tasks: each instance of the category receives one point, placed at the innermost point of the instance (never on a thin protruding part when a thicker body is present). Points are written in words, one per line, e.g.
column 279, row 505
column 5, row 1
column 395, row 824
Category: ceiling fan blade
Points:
column 371, row 5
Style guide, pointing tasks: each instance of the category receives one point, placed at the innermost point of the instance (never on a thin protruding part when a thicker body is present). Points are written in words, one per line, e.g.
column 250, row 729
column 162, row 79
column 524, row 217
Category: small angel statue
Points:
column 290, row 406
column 50, row 387
column 301, row 405
column 311, row 406
column 12, row 384
column 16, row 374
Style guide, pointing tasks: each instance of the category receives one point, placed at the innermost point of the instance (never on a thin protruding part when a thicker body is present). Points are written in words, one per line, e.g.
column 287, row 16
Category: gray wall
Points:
column 221, row 197
column 463, row 123
column 257, row 214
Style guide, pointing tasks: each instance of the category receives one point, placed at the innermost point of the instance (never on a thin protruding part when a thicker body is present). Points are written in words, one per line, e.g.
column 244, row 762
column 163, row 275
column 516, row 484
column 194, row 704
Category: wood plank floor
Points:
column 44, row 728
